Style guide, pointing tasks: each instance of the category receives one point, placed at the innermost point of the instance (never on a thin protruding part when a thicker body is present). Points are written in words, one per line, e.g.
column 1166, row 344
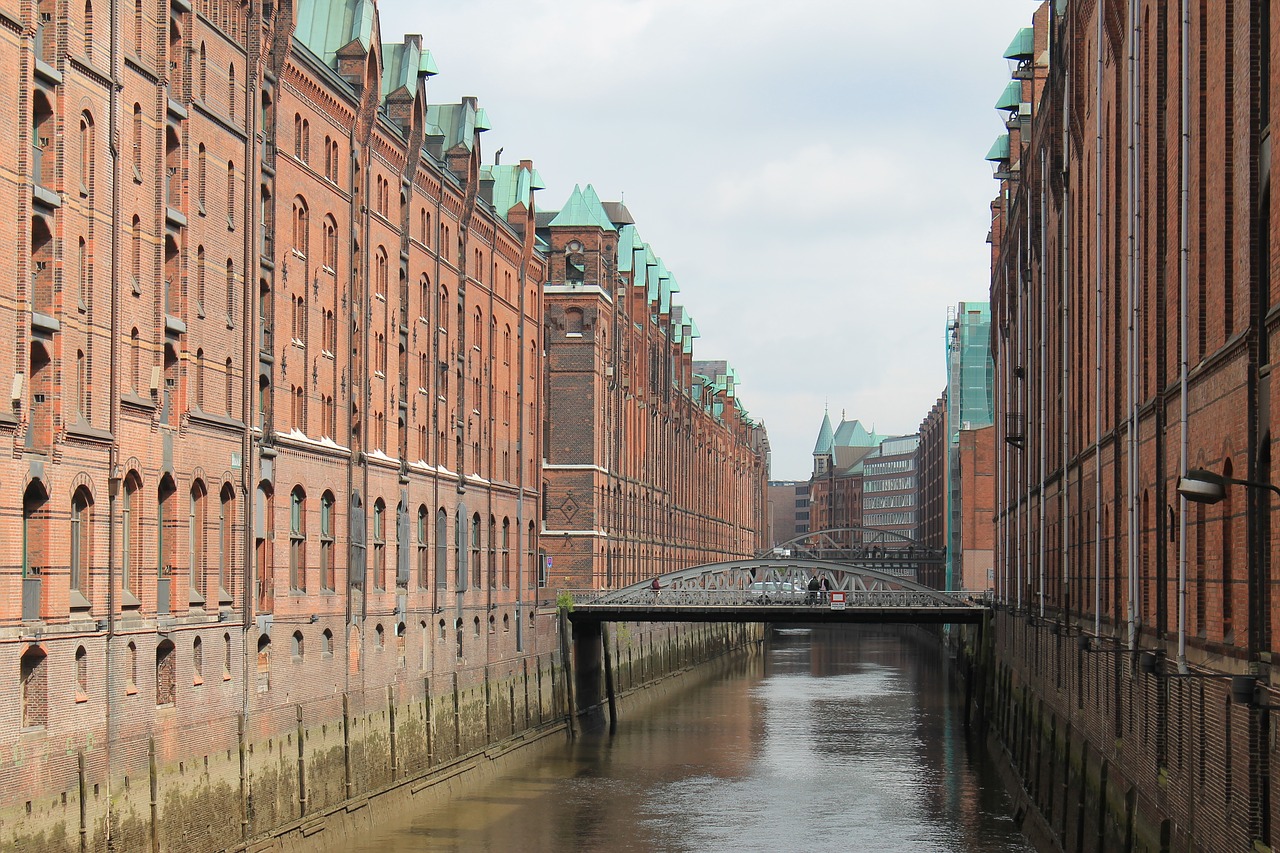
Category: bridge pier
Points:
column 588, row 670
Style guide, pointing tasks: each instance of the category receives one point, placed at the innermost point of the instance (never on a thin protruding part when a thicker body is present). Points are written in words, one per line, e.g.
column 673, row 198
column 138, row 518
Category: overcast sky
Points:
column 811, row 171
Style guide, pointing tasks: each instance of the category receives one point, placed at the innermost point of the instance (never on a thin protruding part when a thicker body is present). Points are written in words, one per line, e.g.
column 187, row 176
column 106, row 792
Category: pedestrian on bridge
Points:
column 814, row 587
column 826, row 589
column 656, row 587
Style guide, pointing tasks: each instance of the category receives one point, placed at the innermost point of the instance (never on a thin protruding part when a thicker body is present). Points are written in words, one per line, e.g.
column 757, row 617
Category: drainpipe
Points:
column 1184, row 196
column 1097, row 329
column 113, row 453
column 1134, row 618
column 1064, row 227
column 1044, row 376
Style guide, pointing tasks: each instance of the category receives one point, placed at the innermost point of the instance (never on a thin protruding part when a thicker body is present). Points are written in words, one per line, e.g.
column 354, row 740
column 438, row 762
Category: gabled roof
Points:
column 583, row 210
column 327, row 26
column 826, row 439
column 512, row 185
column 455, row 122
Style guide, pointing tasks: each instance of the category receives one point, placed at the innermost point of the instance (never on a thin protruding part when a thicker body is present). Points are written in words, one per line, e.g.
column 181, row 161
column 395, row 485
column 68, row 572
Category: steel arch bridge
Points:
column 883, row 550
column 774, row 589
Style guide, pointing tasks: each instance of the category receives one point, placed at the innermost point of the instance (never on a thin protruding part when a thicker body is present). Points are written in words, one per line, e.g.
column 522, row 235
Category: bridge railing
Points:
column 774, row 597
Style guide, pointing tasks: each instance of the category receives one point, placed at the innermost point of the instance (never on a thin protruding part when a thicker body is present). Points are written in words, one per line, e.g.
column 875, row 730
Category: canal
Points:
column 835, row 739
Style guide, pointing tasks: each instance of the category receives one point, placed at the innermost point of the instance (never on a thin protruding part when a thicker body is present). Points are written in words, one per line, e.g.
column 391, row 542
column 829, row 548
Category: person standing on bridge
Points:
column 656, row 587
column 826, row 589
column 814, row 587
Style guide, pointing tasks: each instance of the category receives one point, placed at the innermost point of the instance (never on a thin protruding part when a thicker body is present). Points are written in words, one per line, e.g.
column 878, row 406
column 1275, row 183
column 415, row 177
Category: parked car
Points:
column 766, row 592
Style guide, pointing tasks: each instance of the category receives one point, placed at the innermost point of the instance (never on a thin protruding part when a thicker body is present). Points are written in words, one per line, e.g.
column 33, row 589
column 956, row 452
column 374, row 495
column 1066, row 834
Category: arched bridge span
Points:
column 775, row 589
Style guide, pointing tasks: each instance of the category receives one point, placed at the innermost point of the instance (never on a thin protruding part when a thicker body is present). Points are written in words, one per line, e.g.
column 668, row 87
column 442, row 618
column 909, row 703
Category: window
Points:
column 197, row 661
column 423, row 570
column 137, row 142
column 326, row 643
column 298, row 540
column 231, row 294
column 476, row 567
column 82, row 674
column 301, row 220
column 330, row 243
column 442, row 553
column 198, row 526
column 298, row 647
column 86, row 156
column 229, row 391
column 506, row 553
column 81, row 547
column 166, row 674
column 326, row 541
column 231, row 195
column 231, row 92
column 226, row 538
column 379, row 545
column 33, row 681
column 131, row 532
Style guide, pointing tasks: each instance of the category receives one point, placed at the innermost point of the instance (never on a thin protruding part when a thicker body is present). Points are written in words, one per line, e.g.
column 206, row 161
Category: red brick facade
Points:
column 272, row 493
column 651, row 462
column 1095, row 250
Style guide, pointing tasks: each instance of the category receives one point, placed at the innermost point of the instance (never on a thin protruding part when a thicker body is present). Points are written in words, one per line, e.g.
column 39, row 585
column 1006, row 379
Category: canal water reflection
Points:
column 836, row 739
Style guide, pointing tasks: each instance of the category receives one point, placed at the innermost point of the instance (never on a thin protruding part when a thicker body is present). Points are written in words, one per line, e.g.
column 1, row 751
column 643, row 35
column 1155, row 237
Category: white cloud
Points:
column 811, row 171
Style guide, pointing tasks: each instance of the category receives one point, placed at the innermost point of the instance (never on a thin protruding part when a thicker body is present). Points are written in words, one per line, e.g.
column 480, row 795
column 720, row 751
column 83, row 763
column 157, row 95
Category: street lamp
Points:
column 1208, row 487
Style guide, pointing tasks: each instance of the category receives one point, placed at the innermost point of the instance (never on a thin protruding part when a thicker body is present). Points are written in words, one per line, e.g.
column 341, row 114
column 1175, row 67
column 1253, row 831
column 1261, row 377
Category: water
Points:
column 837, row 739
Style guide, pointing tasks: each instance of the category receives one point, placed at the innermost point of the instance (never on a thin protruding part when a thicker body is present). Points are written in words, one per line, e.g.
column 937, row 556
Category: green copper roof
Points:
column 512, row 185
column 1023, row 45
column 1011, row 96
column 456, row 123
column 999, row 149
column 482, row 120
column 628, row 240
column 826, row 438
column 427, row 64
column 854, row 434
column 669, row 287
column 327, row 26
column 583, row 210
column 400, row 66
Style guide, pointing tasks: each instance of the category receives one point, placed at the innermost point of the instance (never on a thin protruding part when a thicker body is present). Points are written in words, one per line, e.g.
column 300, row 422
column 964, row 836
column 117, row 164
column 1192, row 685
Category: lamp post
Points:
column 1208, row 487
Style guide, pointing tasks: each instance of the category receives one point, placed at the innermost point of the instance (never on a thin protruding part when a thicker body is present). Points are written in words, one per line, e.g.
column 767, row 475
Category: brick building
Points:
column 934, row 489
column 835, row 487
column 276, row 390
column 1133, row 306
column 788, row 510
column 651, row 463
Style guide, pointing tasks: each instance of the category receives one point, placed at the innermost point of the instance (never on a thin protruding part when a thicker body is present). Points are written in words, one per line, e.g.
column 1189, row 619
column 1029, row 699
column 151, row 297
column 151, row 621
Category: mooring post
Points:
column 566, row 657
column 608, row 679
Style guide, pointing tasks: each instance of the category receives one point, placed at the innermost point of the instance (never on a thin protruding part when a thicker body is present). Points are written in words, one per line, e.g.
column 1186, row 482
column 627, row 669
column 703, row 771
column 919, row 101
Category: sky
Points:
column 811, row 171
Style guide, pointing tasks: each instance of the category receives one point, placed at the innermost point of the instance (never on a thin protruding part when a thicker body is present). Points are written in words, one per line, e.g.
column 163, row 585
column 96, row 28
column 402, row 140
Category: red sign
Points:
column 837, row 599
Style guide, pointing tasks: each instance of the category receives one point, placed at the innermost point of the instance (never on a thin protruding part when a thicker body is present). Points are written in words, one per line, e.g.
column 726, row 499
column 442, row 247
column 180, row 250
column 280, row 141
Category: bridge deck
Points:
column 789, row 613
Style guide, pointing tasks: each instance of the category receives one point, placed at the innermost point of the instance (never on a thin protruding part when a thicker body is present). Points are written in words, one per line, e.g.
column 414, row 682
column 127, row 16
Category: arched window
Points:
column 442, row 549
column 197, row 661
column 198, row 527
column 81, row 547
column 88, row 29
column 33, row 682
column 326, row 540
column 86, row 156
column 231, row 293
column 166, row 674
column 476, row 565
column 301, row 220
column 379, row 544
column 506, row 553
column 226, row 539
column 201, row 181
column 231, row 195
column 298, row 646
column 423, row 570
column 298, row 540
column 330, row 242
